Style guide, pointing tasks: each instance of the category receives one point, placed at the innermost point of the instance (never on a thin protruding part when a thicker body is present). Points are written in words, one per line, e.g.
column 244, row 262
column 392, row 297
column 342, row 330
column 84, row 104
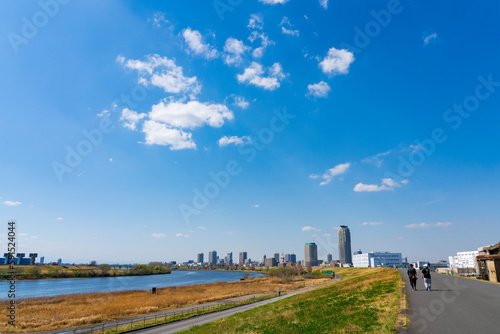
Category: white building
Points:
column 377, row 259
column 464, row 260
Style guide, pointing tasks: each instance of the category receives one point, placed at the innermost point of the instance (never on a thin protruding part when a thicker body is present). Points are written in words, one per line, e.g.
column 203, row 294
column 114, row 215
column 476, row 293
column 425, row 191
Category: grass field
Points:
column 69, row 311
column 366, row 300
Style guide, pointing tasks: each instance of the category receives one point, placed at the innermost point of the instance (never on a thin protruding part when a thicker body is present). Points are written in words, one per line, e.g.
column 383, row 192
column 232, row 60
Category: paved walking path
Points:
column 455, row 305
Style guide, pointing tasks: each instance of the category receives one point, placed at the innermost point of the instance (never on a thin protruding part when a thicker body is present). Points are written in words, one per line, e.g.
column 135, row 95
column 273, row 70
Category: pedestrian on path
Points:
column 426, row 275
column 412, row 276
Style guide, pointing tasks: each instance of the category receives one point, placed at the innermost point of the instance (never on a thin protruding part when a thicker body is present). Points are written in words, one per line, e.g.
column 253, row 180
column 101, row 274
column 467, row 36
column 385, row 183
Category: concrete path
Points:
column 455, row 305
column 203, row 319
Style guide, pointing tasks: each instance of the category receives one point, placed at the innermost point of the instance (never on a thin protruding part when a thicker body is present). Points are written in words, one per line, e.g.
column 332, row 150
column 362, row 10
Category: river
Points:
column 55, row 287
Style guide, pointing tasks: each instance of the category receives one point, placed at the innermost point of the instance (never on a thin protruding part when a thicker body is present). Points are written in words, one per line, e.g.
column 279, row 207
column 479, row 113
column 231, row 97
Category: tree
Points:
column 104, row 268
column 245, row 275
column 93, row 263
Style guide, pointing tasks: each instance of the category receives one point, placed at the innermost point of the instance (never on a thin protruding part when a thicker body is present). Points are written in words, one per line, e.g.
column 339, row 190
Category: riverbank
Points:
column 58, row 272
column 69, row 311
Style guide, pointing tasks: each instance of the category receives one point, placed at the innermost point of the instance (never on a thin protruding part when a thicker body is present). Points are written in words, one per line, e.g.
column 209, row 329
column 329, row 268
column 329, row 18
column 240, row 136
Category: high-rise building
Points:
column 290, row 258
column 344, row 245
column 277, row 257
column 329, row 258
column 243, row 258
column 212, row 257
column 271, row 262
column 229, row 259
column 311, row 254
column 199, row 258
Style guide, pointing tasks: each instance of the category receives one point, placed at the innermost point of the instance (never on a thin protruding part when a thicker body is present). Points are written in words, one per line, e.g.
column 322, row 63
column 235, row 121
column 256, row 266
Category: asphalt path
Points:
column 454, row 305
column 203, row 319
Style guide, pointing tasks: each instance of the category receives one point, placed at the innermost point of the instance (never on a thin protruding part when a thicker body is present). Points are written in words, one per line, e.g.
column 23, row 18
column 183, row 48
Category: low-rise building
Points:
column 377, row 259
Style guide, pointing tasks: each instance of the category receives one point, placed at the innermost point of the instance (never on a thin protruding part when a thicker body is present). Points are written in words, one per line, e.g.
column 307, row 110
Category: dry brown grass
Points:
column 62, row 312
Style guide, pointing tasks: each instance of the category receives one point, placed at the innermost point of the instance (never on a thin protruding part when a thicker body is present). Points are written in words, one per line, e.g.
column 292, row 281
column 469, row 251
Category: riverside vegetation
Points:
column 77, row 310
column 366, row 300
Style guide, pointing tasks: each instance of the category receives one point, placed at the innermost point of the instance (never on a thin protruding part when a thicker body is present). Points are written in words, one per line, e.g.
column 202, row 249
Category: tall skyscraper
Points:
column 199, row 258
column 229, row 257
column 344, row 245
column 290, row 258
column 212, row 257
column 277, row 257
column 329, row 258
column 311, row 254
column 243, row 258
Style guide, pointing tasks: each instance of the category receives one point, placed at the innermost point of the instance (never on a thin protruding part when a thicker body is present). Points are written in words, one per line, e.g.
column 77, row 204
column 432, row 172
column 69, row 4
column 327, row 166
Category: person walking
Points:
column 426, row 275
column 412, row 276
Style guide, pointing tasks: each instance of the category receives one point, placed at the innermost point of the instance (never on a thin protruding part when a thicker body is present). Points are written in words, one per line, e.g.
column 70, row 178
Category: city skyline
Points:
column 155, row 131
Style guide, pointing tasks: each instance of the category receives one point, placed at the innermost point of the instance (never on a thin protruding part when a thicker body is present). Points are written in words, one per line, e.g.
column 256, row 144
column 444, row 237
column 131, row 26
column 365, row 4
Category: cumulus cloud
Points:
column 265, row 42
column 310, row 228
column 287, row 27
column 234, row 50
column 319, row 89
column 386, row 184
column 180, row 235
column 11, row 203
column 254, row 75
column 162, row 72
column 255, row 22
column 130, row 118
column 324, row 3
column 429, row 38
column 337, row 61
column 196, row 45
column 160, row 134
column 371, row 223
column 190, row 114
column 225, row 141
column 159, row 235
column 274, row 2
column 426, row 225
column 331, row 173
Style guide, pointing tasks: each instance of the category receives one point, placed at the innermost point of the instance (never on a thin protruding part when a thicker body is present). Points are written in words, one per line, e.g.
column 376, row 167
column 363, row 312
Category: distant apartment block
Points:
column 271, row 262
column 200, row 258
column 344, row 245
column 212, row 257
column 377, row 259
column 463, row 260
column 292, row 258
column 229, row 259
column 311, row 254
column 243, row 258
column 329, row 258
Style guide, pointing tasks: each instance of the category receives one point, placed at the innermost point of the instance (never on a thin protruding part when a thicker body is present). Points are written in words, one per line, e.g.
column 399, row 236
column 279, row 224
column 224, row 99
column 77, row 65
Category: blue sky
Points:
column 289, row 117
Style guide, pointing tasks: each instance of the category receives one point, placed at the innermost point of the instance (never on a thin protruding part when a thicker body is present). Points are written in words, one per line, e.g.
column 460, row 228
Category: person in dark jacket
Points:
column 426, row 275
column 412, row 276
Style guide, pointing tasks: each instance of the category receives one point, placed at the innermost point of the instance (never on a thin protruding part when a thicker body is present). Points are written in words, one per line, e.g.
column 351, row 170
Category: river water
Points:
column 54, row 287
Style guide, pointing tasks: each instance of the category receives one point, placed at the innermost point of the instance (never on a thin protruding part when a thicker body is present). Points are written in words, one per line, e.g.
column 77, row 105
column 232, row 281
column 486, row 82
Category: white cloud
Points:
column 429, row 38
column 386, row 184
column 234, row 50
column 331, row 173
column 324, row 3
column 163, row 73
column 319, row 89
column 256, row 206
column 158, row 19
column 426, row 225
column 256, row 22
column 254, row 75
column 225, row 141
column 60, row 218
column 286, row 27
column 241, row 102
column 265, row 42
column 159, row 235
column 310, row 228
column 378, row 159
column 274, row 2
column 371, row 223
column 180, row 235
column 103, row 113
column 201, row 228
column 337, row 61
column 160, row 134
column 11, row 203
column 195, row 43
column 327, row 235
column 130, row 118
column 192, row 114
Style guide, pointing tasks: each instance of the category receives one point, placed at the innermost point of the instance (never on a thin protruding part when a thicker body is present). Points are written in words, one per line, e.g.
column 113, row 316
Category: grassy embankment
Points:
column 63, row 312
column 49, row 272
column 366, row 300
